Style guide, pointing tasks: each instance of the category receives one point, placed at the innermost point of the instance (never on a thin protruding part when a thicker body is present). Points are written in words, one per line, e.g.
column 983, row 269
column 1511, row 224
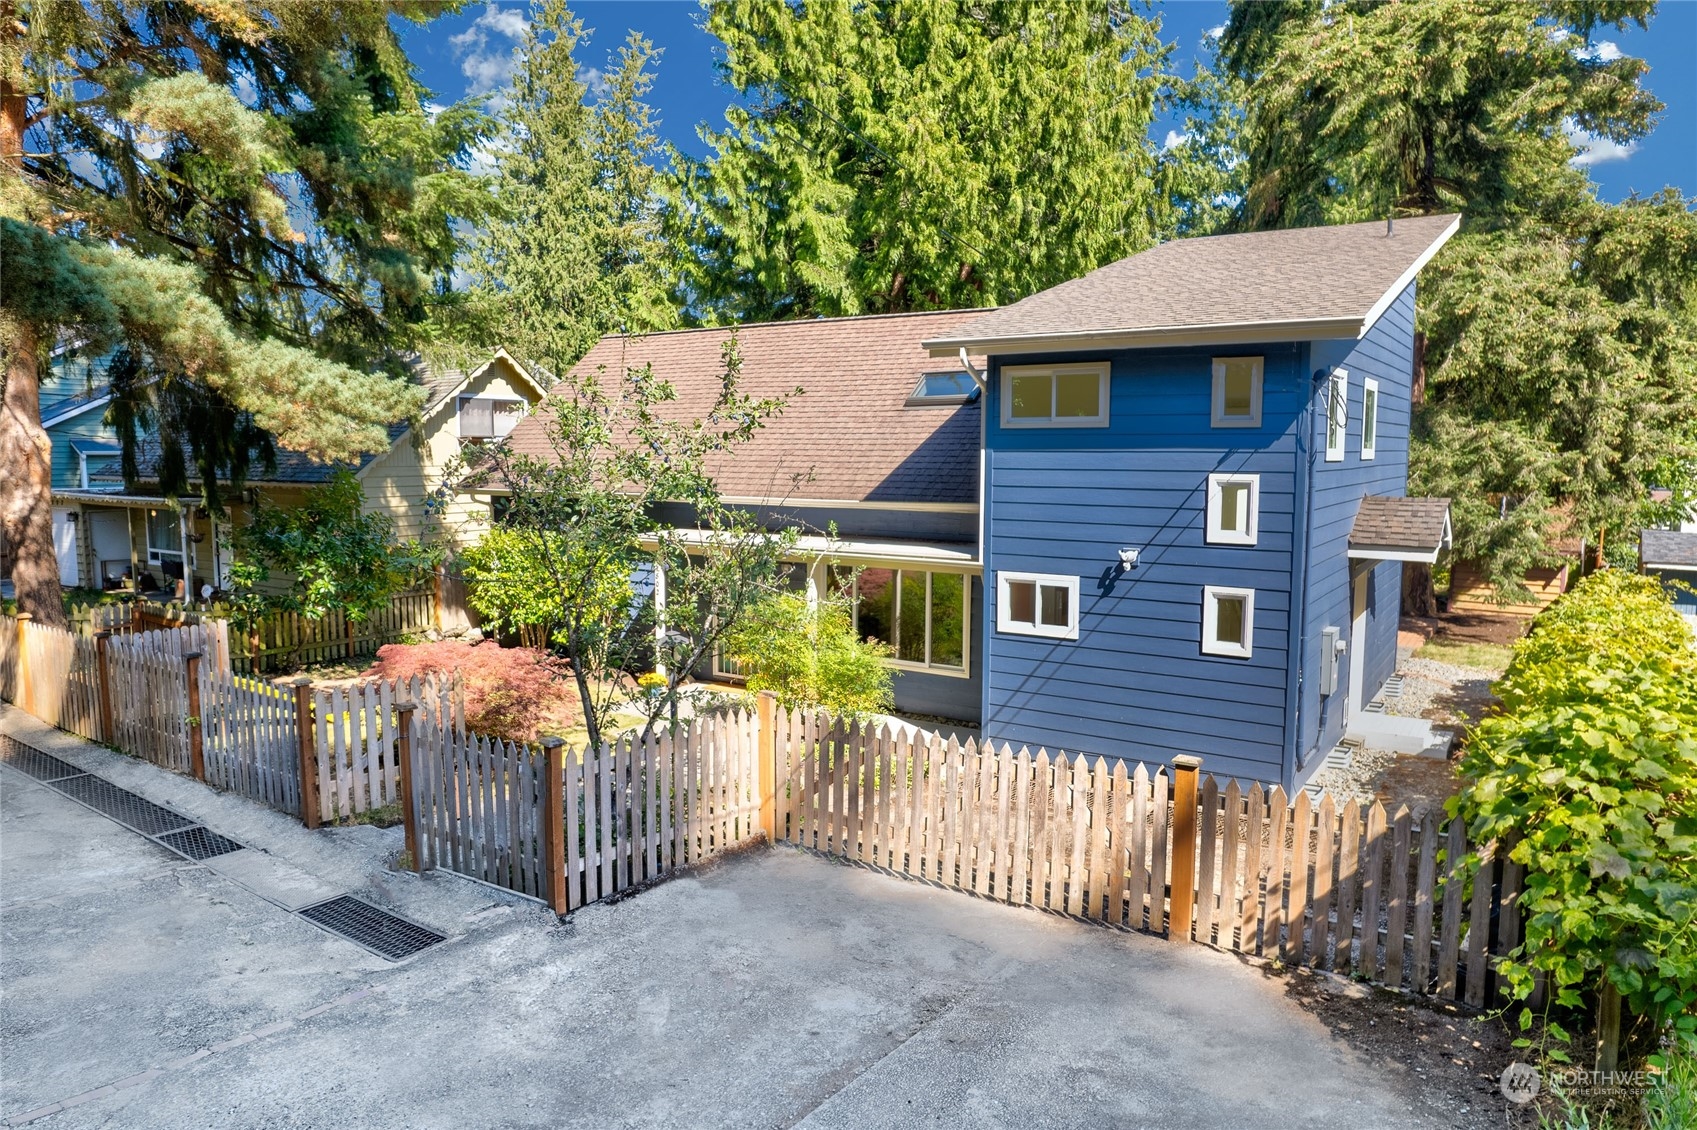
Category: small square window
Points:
column 1337, row 415
column 1228, row 621
column 1369, row 418
column 1237, row 391
column 1037, row 604
column 1234, row 504
column 1055, row 396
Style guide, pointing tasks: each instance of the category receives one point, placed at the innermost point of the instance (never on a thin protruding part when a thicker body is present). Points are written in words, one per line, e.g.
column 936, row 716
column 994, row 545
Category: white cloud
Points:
column 1175, row 138
column 488, row 50
column 594, row 78
column 1603, row 51
column 1214, row 32
column 1594, row 150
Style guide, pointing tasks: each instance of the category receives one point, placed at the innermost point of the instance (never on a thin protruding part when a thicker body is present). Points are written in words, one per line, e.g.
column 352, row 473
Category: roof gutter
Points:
column 1225, row 333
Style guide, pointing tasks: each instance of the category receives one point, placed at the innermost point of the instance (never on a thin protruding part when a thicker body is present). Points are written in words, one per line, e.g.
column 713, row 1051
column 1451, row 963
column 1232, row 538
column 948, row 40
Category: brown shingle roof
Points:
column 1667, row 547
column 1314, row 281
column 848, row 428
column 1412, row 525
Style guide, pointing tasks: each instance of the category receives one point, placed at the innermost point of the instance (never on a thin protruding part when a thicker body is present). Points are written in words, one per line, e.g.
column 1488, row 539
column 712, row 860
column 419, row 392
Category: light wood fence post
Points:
column 1183, row 870
column 103, row 673
column 197, row 738
column 26, row 696
column 554, row 829
column 403, row 767
column 767, row 757
column 305, row 731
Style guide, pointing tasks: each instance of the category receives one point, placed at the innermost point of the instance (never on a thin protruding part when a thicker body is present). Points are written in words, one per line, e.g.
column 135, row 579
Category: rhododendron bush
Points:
column 518, row 693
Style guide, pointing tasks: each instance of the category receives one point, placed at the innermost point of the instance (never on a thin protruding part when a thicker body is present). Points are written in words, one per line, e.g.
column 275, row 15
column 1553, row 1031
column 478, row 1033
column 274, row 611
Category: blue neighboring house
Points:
column 74, row 398
column 1671, row 557
column 1157, row 510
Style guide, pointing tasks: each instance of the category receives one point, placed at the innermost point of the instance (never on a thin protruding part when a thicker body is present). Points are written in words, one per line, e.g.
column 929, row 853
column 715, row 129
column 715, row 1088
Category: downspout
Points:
column 984, row 633
column 1301, row 546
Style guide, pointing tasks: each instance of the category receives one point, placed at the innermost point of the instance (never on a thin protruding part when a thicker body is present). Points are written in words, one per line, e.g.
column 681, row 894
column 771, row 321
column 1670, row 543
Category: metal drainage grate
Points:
column 41, row 766
column 377, row 930
column 122, row 805
column 199, row 843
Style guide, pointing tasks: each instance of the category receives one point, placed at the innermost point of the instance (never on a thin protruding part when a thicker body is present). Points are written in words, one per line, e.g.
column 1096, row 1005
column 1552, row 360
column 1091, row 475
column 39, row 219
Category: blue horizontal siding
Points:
column 1385, row 354
column 1135, row 684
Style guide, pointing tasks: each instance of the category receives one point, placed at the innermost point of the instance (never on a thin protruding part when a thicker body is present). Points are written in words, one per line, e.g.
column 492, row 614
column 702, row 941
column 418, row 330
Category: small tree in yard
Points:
column 511, row 692
column 806, row 652
column 1591, row 769
column 580, row 539
column 339, row 557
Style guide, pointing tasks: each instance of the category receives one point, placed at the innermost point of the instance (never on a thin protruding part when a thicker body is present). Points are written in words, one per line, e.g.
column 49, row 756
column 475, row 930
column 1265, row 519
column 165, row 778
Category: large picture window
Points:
column 922, row 615
column 1055, row 396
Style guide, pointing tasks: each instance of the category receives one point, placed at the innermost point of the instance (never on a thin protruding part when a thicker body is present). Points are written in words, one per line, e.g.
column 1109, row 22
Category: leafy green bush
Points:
column 1592, row 763
column 808, row 655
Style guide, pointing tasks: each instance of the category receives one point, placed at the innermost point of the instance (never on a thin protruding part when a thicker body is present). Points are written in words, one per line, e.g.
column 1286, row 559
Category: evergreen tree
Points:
column 574, row 250
column 918, row 154
column 1558, row 333
column 251, row 199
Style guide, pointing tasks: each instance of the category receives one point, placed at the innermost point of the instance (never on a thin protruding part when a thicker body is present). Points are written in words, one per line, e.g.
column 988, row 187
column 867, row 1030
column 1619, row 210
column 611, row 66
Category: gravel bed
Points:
column 1444, row 692
column 1359, row 779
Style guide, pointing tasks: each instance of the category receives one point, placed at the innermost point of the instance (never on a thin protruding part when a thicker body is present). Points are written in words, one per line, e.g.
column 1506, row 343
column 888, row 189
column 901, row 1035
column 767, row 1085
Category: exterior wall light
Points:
column 1128, row 560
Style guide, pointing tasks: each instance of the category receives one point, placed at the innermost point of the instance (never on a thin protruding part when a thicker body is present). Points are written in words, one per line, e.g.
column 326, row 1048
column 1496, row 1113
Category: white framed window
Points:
column 1337, row 415
column 1037, row 604
column 1234, row 509
column 1055, row 396
column 164, row 537
column 1228, row 621
column 488, row 417
column 1237, row 391
column 1369, row 418
column 924, row 616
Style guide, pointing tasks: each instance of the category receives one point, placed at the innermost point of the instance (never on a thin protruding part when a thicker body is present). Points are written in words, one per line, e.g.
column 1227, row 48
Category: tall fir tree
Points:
column 250, row 199
column 574, row 249
column 1558, row 334
column 918, row 154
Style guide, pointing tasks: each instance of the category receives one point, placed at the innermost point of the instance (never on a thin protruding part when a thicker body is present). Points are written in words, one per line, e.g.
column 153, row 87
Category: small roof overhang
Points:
column 1668, row 550
column 946, row 555
column 117, row 498
column 1400, row 529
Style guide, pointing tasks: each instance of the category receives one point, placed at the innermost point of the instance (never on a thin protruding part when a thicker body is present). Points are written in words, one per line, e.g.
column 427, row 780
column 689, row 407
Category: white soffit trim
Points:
column 73, row 413
column 1671, row 568
column 951, row 556
column 1229, row 333
column 1390, row 553
column 1407, row 276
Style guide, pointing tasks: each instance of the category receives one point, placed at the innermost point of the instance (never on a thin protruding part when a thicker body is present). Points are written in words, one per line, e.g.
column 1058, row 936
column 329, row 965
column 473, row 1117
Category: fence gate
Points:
column 250, row 739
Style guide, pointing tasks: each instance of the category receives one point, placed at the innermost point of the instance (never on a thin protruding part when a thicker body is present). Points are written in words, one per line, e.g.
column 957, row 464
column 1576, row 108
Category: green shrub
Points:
column 808, row 655
column 1592, row 763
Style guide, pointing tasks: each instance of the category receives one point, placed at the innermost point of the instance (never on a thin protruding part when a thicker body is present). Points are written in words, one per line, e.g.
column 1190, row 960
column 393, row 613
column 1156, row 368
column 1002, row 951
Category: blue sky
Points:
column 471, row 53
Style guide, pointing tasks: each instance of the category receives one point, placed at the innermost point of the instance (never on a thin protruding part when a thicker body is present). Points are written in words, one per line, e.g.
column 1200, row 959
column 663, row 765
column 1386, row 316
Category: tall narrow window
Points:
column 1337, row 415
column 1037, row 604
column 1237, row 392
column 1228, row 621
column 1234, row 503
column 1369, row 418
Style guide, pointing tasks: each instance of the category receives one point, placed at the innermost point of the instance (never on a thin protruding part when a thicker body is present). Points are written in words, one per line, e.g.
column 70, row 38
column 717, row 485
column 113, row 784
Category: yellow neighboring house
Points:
column 176, row 548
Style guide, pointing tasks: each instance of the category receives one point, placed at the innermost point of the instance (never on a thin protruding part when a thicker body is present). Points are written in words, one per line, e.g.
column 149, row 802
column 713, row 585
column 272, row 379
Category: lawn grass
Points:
column 1486, row 656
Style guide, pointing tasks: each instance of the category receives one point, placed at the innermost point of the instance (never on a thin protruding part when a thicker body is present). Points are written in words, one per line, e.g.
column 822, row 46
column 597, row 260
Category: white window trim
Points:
column 1257, row 382
column 1046, row 631
column 1100, row 420
column 1369, row 394
column 459, row 413
column 965, row 669
column 1337, row 399
column 160, row 554
column 1210, row 622
column 1214, row 534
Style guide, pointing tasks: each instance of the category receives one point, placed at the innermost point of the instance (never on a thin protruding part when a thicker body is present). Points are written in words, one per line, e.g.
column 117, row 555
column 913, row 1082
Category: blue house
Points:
column 74, row 396
column 1157, row 510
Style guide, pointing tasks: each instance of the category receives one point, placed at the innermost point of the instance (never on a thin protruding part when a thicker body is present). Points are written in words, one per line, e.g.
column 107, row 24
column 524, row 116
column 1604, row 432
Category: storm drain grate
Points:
column 377, row 930
column 199, row 843
column 122, row 805
column 41, row 766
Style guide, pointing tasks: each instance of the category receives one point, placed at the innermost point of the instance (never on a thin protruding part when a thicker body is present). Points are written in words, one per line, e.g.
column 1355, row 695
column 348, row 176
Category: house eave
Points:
column 1233, row 333
column 1393, row 553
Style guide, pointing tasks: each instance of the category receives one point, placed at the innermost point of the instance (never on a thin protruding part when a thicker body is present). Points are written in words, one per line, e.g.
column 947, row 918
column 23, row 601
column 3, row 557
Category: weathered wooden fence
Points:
column 575, row 827
column 50, row 672
column 278, row 640
column 355, row 734
column 250, row 735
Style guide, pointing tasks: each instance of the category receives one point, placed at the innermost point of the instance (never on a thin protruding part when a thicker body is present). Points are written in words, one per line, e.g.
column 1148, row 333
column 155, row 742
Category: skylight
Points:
column 952, row 387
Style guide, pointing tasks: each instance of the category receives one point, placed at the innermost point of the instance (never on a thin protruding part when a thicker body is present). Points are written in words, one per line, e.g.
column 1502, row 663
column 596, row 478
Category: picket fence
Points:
column 278, row 640
column 575, row 827
column 1399, row 898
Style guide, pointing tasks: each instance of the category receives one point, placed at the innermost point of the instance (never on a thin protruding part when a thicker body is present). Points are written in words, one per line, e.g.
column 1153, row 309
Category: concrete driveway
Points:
column 776, row 989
